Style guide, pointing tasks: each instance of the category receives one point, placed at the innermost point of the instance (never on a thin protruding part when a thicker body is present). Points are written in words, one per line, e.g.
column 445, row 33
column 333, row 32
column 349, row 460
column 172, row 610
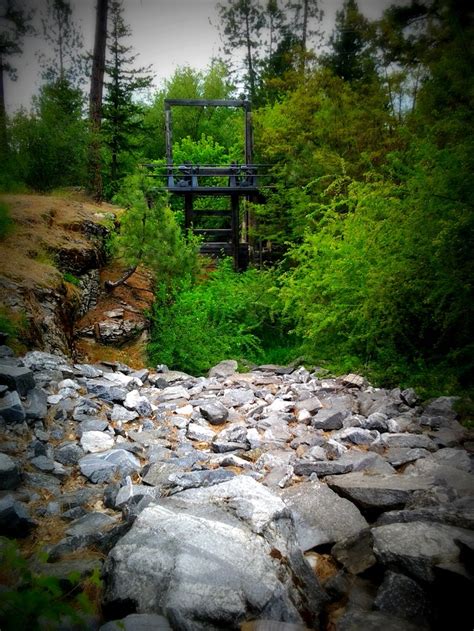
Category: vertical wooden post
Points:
column 248, row 133
column 169, row 147
column 188, row 211
column 234, row 200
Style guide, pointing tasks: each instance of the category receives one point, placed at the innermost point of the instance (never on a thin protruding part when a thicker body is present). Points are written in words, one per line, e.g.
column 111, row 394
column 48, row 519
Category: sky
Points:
column 165, row 34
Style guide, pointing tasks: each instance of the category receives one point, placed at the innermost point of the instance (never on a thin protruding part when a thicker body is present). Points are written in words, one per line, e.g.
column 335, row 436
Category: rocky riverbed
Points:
column 274, row 500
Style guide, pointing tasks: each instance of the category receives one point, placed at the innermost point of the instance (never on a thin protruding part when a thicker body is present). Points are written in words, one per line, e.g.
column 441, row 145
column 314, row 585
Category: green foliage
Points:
column 70, row 278
column 5, row 220
column 49, row 146
column 150, row 235
column 29, row 600
column 228, row 315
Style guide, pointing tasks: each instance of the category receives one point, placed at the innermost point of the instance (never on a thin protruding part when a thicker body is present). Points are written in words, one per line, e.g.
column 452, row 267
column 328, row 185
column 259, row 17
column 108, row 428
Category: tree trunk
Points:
column 249, row 58
column 3, row 117
column 304, row 34
column 95, row 98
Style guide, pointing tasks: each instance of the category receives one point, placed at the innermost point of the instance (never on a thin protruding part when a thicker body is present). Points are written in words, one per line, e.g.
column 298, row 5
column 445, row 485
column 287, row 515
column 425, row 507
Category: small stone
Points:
column 411, row 441
column 35, row 405
column 200, row 433
column 173, row 393
column 311, row 405
column 43, row 463
column 215, row 413
column 329, row 467
column 328, row 420
column 119, row 413
column 398, row 456
column 68, row 454
column 103, row 467
column 140, row 404
column 93, row 441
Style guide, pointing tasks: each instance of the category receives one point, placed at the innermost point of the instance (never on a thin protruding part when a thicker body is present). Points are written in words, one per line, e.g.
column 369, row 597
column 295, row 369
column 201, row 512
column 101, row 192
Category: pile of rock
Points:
column 272, row 495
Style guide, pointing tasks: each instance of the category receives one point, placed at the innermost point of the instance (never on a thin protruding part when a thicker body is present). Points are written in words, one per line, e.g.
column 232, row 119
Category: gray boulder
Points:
column 416, row 548
column 355, row 620
column 328, row 420
column 17, row 378
column 104, row 466
column 10, row 475
column 224, row 369
column 138, row 622
column 168, row 562
column 402, row 596
column 320, row 515
column 15, row 520
column 11, row 409
column 215, row 413
column 377, row 491
column 36, row 406
column 356, row 552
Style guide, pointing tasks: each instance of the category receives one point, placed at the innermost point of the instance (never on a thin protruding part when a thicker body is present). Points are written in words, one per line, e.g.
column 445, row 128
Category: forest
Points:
column 365, row 227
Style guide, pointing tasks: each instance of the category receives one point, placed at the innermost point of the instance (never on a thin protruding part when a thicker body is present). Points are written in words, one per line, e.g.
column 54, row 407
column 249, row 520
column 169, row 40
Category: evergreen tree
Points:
column 351, row 57
column 60, row 31
column 15, row 24
column 95, row 99
column 242, row 25
column 123, row 116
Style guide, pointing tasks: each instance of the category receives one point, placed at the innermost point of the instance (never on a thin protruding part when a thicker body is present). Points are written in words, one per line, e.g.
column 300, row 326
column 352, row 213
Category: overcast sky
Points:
column 166, row 34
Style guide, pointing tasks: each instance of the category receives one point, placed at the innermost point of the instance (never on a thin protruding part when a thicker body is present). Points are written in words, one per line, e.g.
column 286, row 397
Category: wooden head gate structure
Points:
column 237, row 182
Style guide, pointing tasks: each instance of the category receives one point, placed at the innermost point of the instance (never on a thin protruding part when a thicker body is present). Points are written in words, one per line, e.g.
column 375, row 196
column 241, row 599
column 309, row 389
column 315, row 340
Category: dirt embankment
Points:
column 53, row 263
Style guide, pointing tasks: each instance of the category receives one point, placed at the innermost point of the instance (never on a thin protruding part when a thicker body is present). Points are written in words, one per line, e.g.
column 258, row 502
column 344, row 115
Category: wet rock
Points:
column 15, row 520
column 10, row 473
column 224, row 369
column 380, row 491
column 17, row 378
column 171, row 540
column 321, row 516
column 215, row 413
column 11, row 409
column 417, row 547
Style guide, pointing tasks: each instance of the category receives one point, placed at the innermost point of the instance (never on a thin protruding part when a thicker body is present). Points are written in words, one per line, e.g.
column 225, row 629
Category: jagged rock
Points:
column 17, row 378
column 398, row 456
column 138, row 622
column 36, row 406
column 377, row 491
column 117, row 332
column 104, row 466
column 328, row 420
column 200, row 433
column 366, row 461
column 121, row 414
column 321, row 516
column 358, row 436
column 68, row 453
column 106, row 390
column 409, row 397
column 194, row 479
column 93, row 441
column 173, row 393
column 204, row 583
column 234, row 397
column 311, row 405
column 11, row 409
column 356, row 620
column 355, row 553
column 214, row 412
column 134, row 492
column 140, row 404
column 409, row 441
column 416, row 548
column 443, row 475
column 92, row 425
column 329, row 467
column 10, row 473
column 43, row 463
column 224, row 368
column 457, row 458
column 403, row 597
column 15, row 520
column 158, row 473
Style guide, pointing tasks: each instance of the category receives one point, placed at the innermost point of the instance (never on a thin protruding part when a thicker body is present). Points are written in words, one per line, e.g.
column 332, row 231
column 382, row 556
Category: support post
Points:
column 188, row 211
column 248, row 133
column 234, row 199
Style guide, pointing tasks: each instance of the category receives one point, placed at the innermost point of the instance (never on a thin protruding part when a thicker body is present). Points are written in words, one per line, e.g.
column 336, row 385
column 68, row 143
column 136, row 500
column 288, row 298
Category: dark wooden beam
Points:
column 207, row 103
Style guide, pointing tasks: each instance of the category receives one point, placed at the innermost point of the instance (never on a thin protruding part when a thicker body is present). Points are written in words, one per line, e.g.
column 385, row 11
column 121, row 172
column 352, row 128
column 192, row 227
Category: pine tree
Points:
column 16, row 23
column 122, row 115
column 243, row 22
column 351, row 57
column 60, row 31
column 305, row 13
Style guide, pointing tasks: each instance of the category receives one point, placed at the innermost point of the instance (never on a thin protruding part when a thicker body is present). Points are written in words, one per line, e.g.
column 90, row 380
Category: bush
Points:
column 5, row 221
column 229, row 315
